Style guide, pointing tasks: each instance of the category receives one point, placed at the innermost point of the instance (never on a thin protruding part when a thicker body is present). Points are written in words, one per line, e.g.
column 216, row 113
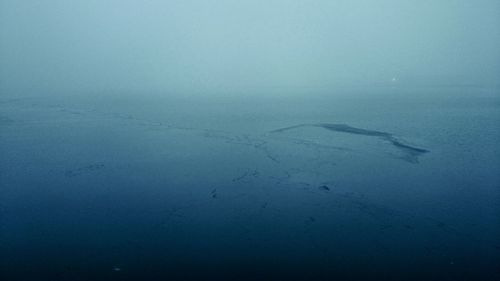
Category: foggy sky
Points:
column 243, row 47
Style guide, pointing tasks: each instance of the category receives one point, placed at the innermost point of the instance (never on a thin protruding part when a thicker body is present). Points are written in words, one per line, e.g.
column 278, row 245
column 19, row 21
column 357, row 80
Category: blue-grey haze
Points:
column 215, row 47
column 254, row 140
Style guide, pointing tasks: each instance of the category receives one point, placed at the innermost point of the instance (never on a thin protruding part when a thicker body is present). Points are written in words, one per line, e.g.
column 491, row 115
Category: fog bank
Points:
column 220, row 47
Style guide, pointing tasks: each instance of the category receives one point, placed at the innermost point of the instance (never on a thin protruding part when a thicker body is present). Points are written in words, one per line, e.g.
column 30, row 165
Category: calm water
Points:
column 145, row 188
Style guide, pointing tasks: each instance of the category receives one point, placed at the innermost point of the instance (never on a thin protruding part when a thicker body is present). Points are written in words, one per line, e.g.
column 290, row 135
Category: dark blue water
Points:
column 148, row 188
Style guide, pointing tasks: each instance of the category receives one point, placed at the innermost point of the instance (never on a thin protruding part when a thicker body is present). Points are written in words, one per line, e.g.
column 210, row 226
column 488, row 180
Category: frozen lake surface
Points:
column 401, row 185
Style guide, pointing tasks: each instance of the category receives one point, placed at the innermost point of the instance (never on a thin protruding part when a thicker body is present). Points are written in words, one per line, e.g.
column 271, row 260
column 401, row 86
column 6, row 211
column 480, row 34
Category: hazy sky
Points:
column 240, row 46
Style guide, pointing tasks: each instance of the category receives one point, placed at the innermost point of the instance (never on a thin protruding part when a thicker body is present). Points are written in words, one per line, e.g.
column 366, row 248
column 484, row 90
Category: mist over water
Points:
column 251, row 48
column 255, row 140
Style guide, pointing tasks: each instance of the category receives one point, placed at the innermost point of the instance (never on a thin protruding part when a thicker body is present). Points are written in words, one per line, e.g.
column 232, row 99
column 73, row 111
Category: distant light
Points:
column 394, row 79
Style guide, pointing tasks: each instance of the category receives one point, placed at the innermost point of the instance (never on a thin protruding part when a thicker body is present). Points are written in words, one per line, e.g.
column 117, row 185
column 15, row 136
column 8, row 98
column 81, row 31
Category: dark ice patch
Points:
column 324, row 188
column 411, row 153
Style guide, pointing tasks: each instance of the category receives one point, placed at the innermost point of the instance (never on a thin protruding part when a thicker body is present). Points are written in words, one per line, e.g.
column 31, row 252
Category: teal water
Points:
column 149, row 188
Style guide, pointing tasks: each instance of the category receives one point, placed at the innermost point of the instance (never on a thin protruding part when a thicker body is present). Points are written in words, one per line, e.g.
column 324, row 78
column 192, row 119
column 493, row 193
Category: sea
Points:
column 367, row 183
